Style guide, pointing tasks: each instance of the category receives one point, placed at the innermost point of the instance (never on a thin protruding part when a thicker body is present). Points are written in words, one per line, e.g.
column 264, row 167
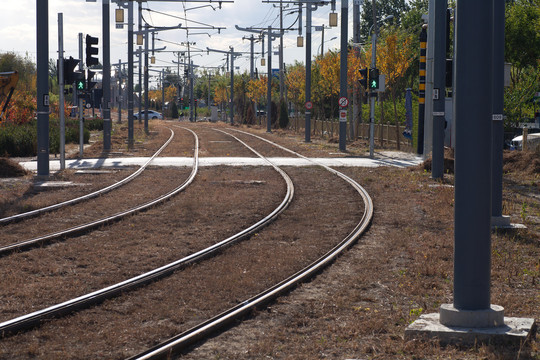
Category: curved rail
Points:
column 26, row 244
column 210, row 326
column 97, row 193
column 33, row 319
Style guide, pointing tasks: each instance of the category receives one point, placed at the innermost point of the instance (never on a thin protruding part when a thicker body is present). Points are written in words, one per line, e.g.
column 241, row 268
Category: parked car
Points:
column 151, row 115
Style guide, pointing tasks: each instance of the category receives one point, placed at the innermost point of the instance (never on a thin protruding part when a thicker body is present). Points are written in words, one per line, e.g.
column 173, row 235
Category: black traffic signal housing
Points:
column 89, row 76
column 69, row 70
column 364, row 74
column 91, row 50
column 80, row 83
column 374, row 79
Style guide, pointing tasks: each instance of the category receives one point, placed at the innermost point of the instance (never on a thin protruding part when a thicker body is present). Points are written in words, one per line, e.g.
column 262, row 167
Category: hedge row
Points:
column 21, row 140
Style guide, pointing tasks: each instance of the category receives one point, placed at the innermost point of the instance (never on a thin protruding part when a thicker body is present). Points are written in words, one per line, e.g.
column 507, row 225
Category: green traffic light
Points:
column 374, row 84
column 80, row 85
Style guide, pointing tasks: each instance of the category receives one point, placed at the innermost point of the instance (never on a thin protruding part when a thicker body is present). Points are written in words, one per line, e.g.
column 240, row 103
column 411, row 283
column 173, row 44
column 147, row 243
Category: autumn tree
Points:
column 296, row 84
column 394, row 57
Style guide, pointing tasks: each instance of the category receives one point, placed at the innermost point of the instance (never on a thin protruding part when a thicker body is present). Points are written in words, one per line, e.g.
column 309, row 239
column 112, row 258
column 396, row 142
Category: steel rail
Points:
column 97, row 193
column 41, row 240
column 181, row 341
column 35, row 318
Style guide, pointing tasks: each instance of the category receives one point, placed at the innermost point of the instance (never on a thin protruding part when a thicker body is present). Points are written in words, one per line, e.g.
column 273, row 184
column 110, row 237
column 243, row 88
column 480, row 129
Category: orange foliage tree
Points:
column 394, row 57
column 296, row 84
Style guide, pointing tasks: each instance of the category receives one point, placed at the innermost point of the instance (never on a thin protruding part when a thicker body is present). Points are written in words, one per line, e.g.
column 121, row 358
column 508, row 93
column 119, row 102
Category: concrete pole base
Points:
column 452, row 317
column 503, row 222
column 510, row 331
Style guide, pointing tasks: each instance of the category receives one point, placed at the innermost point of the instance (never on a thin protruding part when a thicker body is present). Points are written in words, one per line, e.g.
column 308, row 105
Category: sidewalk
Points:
column 396, row 159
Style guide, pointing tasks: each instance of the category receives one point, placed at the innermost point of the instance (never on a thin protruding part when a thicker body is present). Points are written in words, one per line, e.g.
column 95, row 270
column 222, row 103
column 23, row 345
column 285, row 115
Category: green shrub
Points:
column 21, row 140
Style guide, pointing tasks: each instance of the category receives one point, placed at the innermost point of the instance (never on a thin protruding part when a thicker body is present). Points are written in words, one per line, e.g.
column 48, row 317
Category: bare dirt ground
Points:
column 358, row 308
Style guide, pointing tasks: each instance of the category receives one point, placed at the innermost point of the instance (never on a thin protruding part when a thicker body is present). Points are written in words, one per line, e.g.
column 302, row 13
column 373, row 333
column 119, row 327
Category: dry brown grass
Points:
column 356, row 309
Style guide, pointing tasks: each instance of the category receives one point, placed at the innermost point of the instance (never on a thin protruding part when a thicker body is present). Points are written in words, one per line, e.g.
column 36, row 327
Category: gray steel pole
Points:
column 473, row 114
column 308, row 71
column 252, row 58
column 269, row 83
column 61, row 99
column 106, row 82
column 439, row 71
column 140, row 63
column 42, row 26
column 498, row 106
column 357, row 105
column 428, row 106
column 231, row 105
column 131, row 130
column 120, row 94
column 343, row 73
column 191, row 93
column 281, row 72
column 146, row 74
column 371, row 94
column 81, row 110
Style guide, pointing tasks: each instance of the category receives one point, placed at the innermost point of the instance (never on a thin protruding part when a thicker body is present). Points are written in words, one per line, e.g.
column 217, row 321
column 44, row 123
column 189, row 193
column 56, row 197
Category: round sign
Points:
column 343, row 102
column 309, row 105
column 88, row 105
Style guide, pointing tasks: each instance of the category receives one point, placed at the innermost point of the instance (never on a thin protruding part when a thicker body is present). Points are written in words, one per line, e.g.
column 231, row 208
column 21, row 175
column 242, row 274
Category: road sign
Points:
column 309, row 105
column 342, row 115
column 343, row 102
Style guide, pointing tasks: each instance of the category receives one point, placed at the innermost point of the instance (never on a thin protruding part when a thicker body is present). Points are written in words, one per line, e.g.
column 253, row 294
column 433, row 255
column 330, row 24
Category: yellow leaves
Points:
column 394, row 57
column 257, row 88
column 329, row 69
column 296, row 83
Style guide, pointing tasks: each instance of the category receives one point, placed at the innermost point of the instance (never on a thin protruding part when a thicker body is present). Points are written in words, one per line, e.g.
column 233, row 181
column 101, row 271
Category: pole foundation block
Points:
column 512, row 331
column 503, row 222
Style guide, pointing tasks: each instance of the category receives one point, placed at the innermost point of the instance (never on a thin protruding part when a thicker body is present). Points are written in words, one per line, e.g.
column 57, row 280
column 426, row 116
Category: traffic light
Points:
column 364, row 79
column 80, row 83
column 89, row 83
column 69, row 67
column 373, row 79
column 91, row 50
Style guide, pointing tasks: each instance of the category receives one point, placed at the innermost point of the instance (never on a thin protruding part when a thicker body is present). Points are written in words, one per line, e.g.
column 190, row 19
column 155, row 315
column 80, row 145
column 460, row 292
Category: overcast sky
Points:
column 18, row 29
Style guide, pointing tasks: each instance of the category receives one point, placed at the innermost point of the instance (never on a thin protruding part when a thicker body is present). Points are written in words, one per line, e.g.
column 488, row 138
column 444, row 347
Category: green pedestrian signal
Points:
column 80, row 85
column 374, row 79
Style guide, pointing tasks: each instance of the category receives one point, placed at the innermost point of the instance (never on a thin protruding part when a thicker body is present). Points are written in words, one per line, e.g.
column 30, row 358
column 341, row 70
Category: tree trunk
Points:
column 397, row 120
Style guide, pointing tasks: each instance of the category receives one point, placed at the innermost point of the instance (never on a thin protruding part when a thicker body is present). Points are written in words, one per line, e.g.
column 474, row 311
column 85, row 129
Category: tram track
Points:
column 243, row 307
column 210, row 326
column 32, row 319
column 74, row 230
column 49, row 208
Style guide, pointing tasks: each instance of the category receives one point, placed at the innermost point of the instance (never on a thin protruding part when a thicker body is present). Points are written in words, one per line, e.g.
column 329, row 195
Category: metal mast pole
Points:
column 343, row 74
column 146, row 74
column 130, row 77
column 439, row 67
column 140, row 64
column 231, row 105
column 106, row 82
column 497, row 118
column 61, row 100
column 371, row 94
column 308, row 71
column 81, row 110
column 281, row 73
column 42, row 25
column 269, row 83
column 473, row 114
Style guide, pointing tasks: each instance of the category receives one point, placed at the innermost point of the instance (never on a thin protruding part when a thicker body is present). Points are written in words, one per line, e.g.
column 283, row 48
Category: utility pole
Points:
column 80, row 102
column 281, row 72
column 439, row 72
column 371, row 93
column 473, row 114
column 61, row 91
column 497, row 218
column 343, row 83
column 106, row 80
column 357, row 113
column 308, row 72
column 131, row 131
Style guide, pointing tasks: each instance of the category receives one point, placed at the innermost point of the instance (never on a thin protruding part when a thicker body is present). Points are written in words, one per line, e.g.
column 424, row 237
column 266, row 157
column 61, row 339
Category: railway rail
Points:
column 210, row 326
column 44, row 239
column 35, row 318
column 36, row 212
